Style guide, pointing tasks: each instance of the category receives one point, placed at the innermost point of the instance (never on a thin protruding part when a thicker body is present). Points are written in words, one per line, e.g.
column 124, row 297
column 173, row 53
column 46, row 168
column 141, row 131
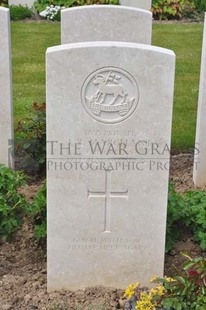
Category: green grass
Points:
column 186, row 41
column 29, row 44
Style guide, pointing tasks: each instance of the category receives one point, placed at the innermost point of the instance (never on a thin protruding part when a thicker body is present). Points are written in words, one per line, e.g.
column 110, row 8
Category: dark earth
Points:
column 23, row 262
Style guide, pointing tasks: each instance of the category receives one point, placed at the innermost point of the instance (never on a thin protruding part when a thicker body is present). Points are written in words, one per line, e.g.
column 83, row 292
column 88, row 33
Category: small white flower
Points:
column 50, row 12
column 43, row 13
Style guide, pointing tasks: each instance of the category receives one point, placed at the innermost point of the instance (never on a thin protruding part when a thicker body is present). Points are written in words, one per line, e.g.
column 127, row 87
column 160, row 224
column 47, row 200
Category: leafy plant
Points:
column 200, row 5
column 187, row 211
column 38, row 214
column 172, row 9
column 41, row 5
column 186, row 290
column 13, row 205
column 176, row 205
column 4, row 3
column 19, row 12
column 194, row 215
column 31, row 138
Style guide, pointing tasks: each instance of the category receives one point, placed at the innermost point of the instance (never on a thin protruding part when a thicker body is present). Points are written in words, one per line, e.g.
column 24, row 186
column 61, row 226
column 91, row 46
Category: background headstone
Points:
column 28, row 3
column 141, row 4
column 200, row 152
column 105, row 23
column 6, row 109
column 107, row 187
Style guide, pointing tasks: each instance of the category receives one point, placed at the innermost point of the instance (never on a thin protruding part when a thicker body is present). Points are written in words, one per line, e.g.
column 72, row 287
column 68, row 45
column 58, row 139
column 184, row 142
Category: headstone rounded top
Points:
column 80, row 45
column 28, row 3
column 143, row 4
column 104, row 7
column 105, row 23
column 4, row 9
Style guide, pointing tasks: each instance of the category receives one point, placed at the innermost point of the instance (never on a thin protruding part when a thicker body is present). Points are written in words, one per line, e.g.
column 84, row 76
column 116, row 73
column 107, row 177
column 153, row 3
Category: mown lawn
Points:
column 30, row 41
column 29, row 44
column 186, row 41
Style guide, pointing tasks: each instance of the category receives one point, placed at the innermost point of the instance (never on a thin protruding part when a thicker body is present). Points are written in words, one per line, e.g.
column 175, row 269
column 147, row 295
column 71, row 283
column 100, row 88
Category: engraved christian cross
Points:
column 107, row 195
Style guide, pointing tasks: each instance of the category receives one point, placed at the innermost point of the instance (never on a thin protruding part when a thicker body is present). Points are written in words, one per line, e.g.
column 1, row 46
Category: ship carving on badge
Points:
column 110, row 95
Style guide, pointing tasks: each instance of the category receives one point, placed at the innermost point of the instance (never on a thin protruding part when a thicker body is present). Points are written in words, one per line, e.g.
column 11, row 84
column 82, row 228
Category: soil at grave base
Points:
column 23, row 262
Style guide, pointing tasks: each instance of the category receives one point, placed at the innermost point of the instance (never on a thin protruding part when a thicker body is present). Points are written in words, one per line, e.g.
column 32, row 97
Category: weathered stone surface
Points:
column 105, row 23
column 6, row 114
column 28, row 3
column 109, row 112
column 200, row 152
column 141, row 4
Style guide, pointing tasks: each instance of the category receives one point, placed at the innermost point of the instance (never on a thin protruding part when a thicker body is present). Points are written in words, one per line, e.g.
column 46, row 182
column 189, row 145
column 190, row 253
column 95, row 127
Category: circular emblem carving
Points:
column 110, row 95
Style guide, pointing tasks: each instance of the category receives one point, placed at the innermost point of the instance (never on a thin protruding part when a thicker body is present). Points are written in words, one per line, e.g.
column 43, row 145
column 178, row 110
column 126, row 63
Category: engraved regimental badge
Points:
column 110, row 95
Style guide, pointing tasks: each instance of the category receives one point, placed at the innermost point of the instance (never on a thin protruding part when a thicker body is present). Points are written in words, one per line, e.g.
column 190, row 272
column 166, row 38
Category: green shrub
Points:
column 200, row 5
column 187, row 211
column 185, row 291
column 88, row 2
column 176, row 205
column 38, row 214
column 13, row 205
column 40, row 5
column 172, row 9
column 194, row 215
column 19, row 12
column 4, row 3
column 31, row 138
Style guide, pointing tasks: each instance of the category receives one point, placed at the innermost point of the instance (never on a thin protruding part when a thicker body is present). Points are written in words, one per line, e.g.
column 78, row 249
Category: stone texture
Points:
column 109, row 107
column 141, row 4
column 105, row 23
column 28, row 3
column 6, row 114
column 200, row 152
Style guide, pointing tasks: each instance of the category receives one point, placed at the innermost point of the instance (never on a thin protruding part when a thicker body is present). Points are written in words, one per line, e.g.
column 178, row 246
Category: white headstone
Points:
column 28, row 3
column 6, row 110
column 200, row 152
column 142, row 4
column 109, row 112
column 105, row 23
